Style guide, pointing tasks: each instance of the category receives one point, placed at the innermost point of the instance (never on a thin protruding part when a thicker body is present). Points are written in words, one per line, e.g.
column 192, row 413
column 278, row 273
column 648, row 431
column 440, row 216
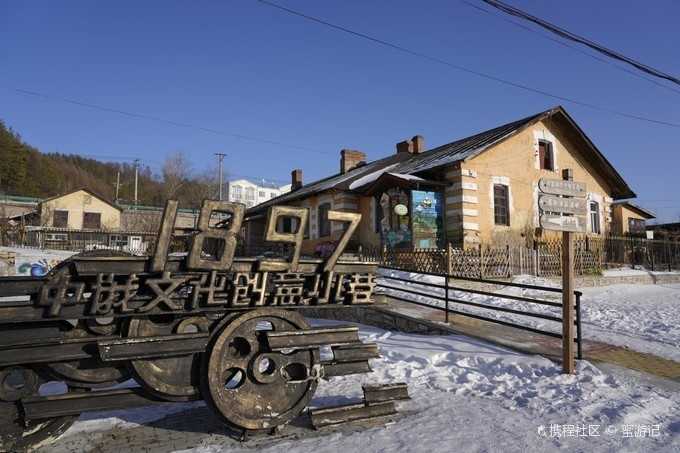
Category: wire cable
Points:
column 566, row 34
column 568, row 46
column 166, row 121
column 441, row 61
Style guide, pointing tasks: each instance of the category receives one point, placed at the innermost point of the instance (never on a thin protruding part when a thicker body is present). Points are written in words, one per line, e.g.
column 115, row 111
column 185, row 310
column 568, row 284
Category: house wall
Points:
column 237, row 191
column 514, row 162
column 341, row 201
column 620, row 216
column 77, row 203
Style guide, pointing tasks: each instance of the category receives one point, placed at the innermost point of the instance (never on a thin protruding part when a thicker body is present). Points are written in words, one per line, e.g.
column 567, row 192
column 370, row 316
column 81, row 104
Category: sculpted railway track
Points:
column 210, row 326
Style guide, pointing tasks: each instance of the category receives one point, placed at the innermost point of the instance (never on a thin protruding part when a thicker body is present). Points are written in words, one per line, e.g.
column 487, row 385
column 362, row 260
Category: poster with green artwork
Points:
column 427, row 219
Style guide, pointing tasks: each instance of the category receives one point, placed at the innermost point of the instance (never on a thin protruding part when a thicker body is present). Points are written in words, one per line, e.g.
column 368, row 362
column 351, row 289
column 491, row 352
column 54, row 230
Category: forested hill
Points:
column 26, row 171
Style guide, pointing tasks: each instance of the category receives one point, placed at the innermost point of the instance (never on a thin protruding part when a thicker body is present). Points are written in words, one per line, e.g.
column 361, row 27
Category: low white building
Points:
column 251, row 194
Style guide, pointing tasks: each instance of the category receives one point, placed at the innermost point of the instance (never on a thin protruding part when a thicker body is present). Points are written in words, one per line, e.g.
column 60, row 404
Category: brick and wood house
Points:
column 479, row 188
column 629, row 219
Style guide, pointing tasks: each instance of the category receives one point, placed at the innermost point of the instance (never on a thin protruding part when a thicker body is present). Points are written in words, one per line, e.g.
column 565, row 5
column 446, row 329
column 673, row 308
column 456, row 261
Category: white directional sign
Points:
column 576, row 224
column 562, row 187
column 560, row 205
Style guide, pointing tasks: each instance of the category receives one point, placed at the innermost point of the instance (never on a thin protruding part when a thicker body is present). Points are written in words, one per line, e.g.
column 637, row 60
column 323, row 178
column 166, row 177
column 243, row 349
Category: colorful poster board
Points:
column 427, row 219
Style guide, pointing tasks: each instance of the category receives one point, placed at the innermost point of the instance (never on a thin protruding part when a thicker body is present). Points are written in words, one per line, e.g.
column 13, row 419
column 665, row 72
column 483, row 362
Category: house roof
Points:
column 94, row 194
column 673, row 226
column 647, row 214
column 459, row 150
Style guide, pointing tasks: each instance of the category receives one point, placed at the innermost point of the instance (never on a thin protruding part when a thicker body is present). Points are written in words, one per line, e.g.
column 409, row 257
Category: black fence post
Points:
column 577, row 305
column 446, row 297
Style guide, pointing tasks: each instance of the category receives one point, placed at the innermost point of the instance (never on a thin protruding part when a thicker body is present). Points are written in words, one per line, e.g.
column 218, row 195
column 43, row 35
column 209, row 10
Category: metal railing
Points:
column 447, row 299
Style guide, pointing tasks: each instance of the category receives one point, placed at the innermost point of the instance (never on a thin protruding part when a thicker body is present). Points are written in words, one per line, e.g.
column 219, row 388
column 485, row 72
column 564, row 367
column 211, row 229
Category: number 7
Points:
column 340, row 216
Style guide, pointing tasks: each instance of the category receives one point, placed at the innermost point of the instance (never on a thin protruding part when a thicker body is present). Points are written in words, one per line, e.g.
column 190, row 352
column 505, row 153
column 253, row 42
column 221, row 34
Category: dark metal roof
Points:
column 462, row 149
column 340, row 181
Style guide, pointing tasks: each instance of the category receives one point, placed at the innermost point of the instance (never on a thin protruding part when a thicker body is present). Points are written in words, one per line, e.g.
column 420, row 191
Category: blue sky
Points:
column 242, row 68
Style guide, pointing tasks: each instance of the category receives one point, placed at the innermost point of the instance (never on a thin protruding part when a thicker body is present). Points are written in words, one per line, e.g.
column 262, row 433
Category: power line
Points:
column 163, row 120
column 441, row 61
column 568, row 46
column 566, row 34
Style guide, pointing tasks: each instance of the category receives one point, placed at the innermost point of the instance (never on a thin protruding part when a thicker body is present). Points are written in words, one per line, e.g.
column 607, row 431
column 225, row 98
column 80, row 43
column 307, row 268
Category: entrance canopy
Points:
column 388, row 181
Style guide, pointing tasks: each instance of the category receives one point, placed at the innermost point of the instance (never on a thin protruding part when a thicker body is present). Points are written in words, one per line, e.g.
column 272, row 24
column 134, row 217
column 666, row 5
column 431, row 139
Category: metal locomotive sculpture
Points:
column 213, row 326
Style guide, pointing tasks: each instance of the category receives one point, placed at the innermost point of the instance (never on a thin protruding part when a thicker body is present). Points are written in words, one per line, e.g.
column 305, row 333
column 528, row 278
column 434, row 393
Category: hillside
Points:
column 26, row 171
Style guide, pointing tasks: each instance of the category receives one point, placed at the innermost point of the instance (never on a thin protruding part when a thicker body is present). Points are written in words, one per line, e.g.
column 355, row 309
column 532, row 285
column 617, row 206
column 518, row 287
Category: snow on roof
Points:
column 369, row 178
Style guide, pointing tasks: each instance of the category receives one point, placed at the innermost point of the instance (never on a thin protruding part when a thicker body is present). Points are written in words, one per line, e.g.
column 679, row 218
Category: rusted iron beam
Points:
column 20, row 286
column 161, row 346
column 43, row 407
column 331, row 416
column 332, row 369
column 374, row 394
column 312, row 338
column 352, row 353
column 55, row 350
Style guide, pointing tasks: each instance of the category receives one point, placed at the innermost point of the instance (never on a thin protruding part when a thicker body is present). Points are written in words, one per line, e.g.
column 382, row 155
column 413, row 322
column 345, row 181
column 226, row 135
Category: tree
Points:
column 176, row 174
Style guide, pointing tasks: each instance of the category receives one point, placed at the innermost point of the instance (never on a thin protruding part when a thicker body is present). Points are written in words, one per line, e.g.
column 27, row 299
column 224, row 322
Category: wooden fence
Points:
column 592, row 256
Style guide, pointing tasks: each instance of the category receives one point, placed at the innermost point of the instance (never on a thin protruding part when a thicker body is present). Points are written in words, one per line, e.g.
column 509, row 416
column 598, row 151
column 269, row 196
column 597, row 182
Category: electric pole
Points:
column 136, row 178
column 220, row 157
column 117, row 185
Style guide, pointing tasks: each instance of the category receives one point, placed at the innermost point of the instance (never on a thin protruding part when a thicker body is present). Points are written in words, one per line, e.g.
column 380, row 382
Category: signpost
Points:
column 552, row 203
column 564, row 209
column 574, row 224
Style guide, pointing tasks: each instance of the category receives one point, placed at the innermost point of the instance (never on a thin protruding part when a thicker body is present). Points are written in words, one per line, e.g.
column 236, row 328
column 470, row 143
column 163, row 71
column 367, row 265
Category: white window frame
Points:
column 592, row 213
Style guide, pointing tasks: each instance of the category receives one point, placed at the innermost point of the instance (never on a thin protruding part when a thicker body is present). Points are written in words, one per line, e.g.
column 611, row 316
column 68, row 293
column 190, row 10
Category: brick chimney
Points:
column 404, row 147
column 414, row 146
column 295, row 179
column 350, row 159
column 417, row 144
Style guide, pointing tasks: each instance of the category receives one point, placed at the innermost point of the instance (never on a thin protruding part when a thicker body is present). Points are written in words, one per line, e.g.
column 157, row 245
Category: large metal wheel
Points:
column 88, row 373
column 16, row 434
column 249, row 386
column 172, row 378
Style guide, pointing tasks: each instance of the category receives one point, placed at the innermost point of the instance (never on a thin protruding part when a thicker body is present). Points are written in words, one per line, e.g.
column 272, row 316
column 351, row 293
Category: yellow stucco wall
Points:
column 77, row 203
column 620, row 216
column 340, row 202
column 514, row 162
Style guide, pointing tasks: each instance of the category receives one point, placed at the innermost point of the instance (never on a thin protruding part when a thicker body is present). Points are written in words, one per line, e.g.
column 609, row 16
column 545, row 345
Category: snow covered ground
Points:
column 467, row 395
column 645, row 318
column 628, row 272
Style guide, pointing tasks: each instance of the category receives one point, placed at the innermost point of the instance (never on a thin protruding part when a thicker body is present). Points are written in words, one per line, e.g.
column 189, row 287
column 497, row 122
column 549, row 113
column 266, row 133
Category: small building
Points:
column 629, row 219
column 482, row 188
column 664, row 231
column 80, row 209
column 252, row 194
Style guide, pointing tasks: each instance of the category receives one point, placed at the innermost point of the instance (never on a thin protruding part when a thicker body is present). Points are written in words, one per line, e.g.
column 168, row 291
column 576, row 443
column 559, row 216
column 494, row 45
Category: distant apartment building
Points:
column 252, row 194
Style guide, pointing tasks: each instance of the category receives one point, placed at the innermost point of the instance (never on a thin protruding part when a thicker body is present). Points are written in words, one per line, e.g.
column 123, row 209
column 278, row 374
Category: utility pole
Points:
column 117, row 185
column 136, row 179
column 220, row 157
